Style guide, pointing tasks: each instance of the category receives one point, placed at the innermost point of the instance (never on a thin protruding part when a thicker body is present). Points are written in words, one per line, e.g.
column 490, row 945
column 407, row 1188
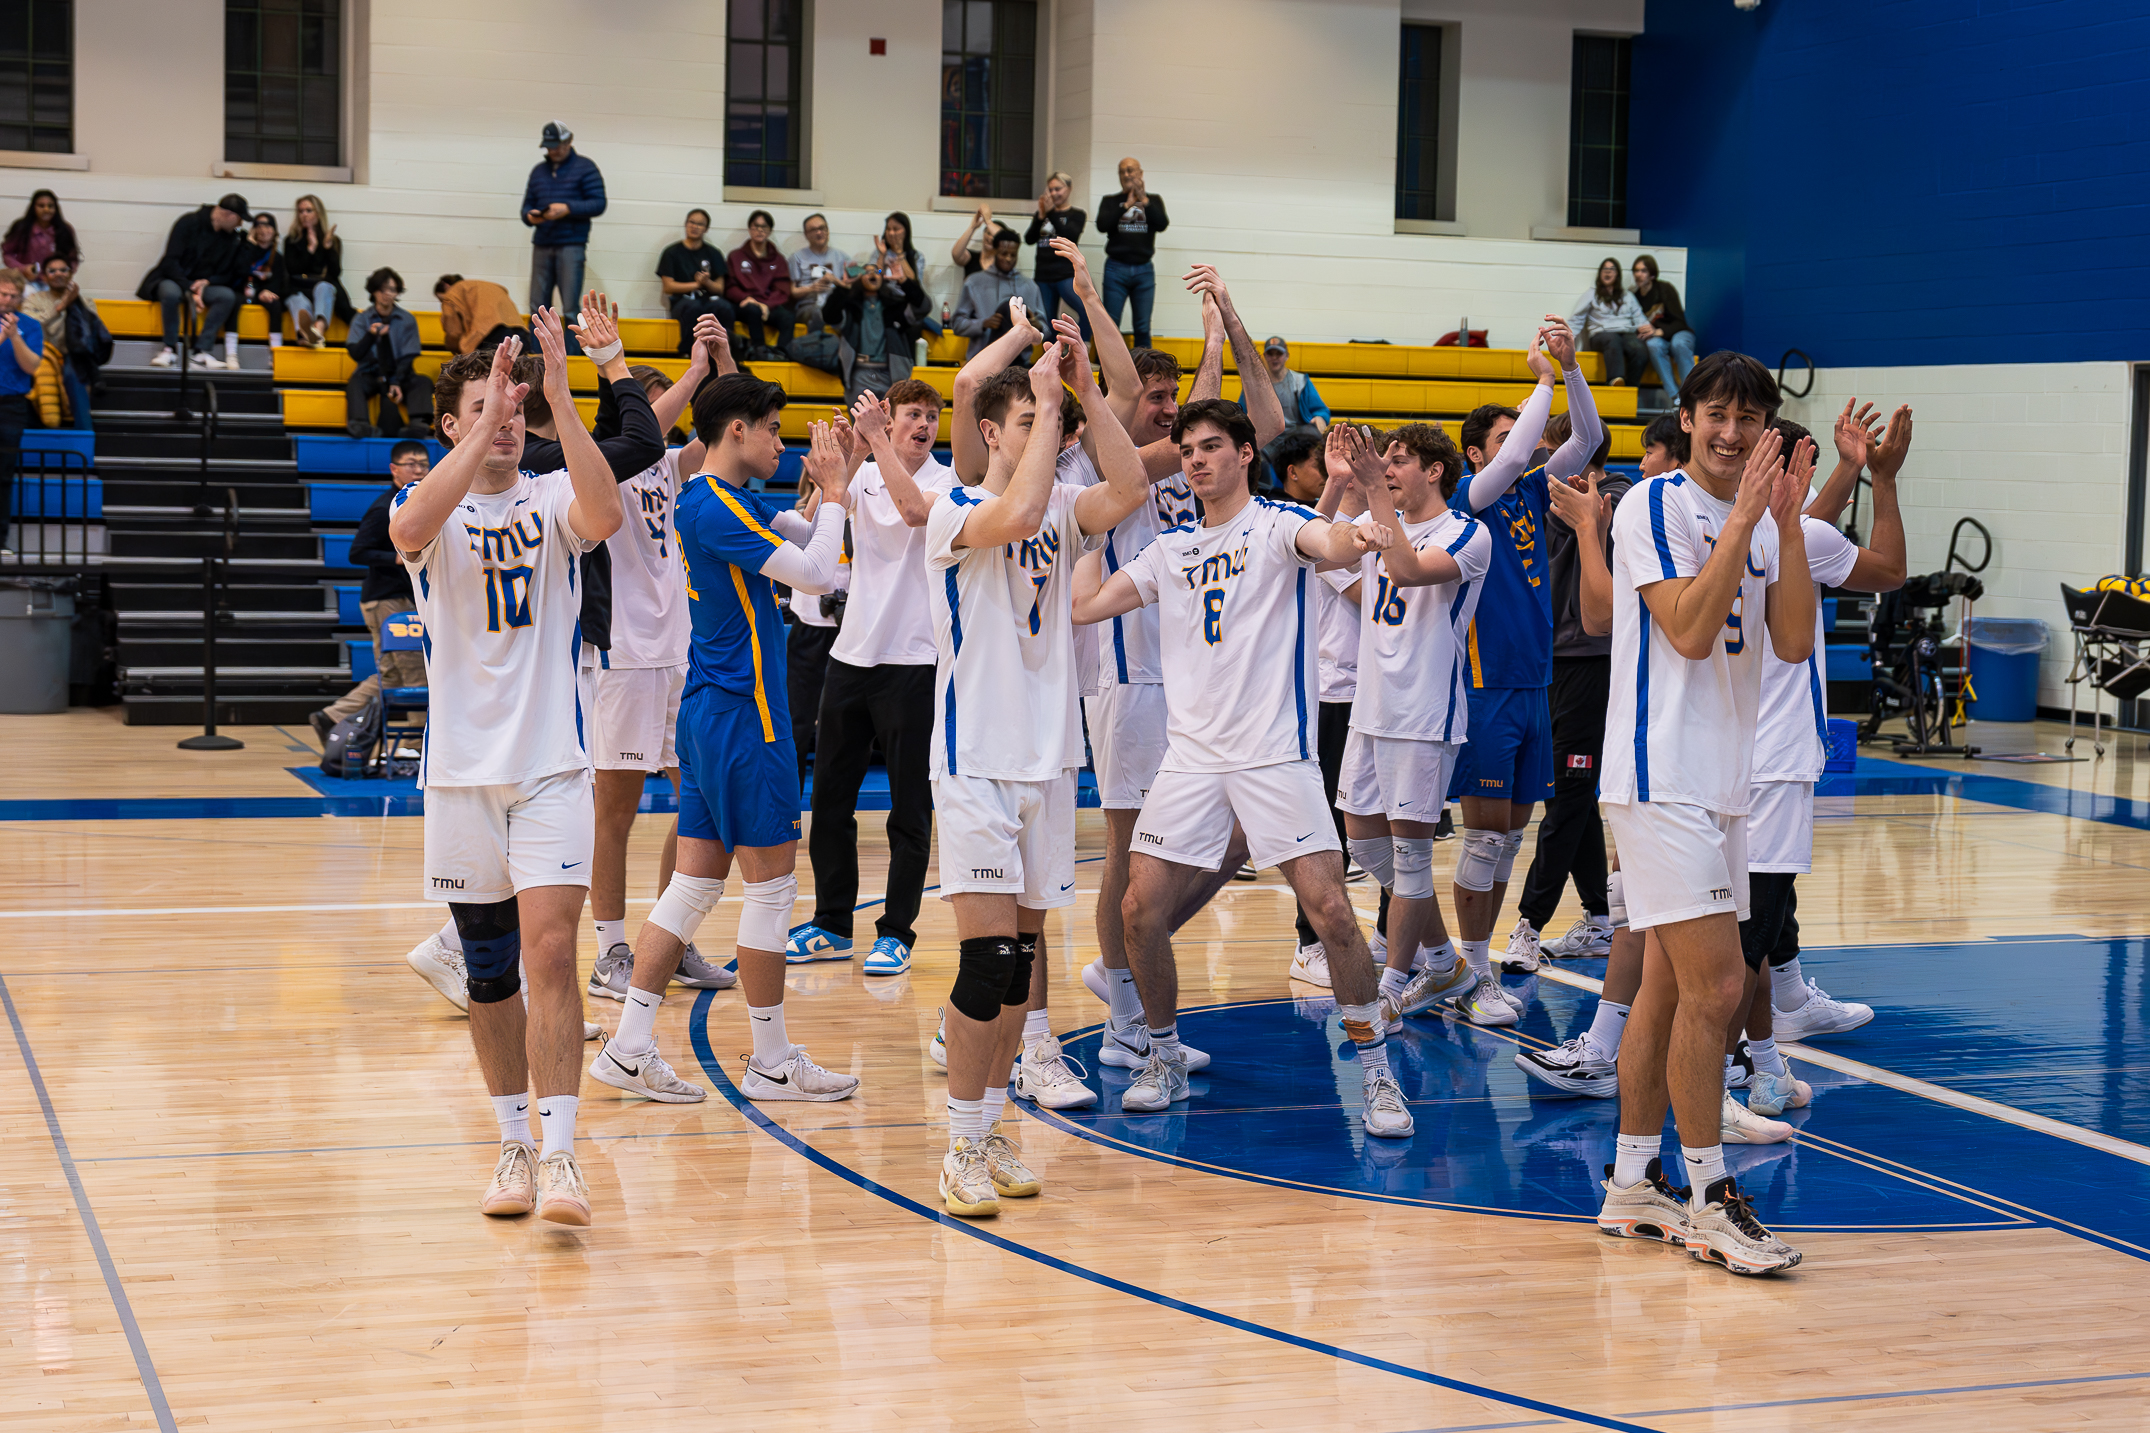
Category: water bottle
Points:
column 918, row 351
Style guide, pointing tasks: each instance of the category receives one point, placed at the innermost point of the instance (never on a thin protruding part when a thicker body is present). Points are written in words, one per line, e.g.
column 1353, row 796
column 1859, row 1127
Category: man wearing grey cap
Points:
column 1295, row 391
column 564, row 194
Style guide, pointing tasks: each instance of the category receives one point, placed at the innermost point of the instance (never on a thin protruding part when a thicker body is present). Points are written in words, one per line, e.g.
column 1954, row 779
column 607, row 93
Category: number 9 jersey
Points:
column 499, row 591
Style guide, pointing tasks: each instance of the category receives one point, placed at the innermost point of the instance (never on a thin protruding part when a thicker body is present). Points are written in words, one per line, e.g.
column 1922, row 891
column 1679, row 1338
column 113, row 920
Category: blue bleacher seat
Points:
column 362, row 663
column 340, row 502
column 336, row 550
column 322, row 453
column 347, row 608
column 58, row 499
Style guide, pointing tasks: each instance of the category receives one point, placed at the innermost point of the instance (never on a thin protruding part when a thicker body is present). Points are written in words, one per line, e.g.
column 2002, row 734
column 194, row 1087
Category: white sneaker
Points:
column 1429, row 987
column 1387, row 1116
column 1822, row 1014
column 1377, row 945
column 513, row 1189
column 1522, row 952
column 441, row 965
column 698, row 972
column 646, row 1075
column 592, row 1031
column 207, row 360
column 939, row 1048
column 563, row 1197
column 1310, row 963
column 1128, row 1048
column 1769, row 1094
column 1650, row 1208
column 1161, row 1084
column 1592, row 935
column 798, row 1078
column 1012, row 1179
column 1046, row 1076
column 1723, row 1229
column 1571, row 1068
column 1487, row 1004
column 1742, row 1126
column 614, row 969
column 1094, row 976
column 966, row 1183
column 165, row 358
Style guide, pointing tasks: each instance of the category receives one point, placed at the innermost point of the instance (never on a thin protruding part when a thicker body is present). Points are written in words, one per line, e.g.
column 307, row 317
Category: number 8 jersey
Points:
column 499, row 592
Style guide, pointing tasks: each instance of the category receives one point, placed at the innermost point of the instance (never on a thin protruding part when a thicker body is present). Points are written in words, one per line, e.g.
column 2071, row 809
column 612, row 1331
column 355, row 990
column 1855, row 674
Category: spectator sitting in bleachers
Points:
column 384, row 344
column 22, row 349
column 814, row 270
column 693, row 274
column 876, row 315
column 901, row 262
column 313, row 265
column 383, row 592
column 476, row 313
column 40, row 234
column 1610, row 322
column 758, row 283
column 1665, row 328
column 59, row 305
column 258, row 274
column 1301, row 400
column 197, row 261
column 982, row 312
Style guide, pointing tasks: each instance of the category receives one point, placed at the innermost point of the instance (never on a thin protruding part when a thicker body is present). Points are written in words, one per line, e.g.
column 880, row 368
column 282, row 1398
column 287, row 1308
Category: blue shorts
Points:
column 735, row 787
column 1509, row 756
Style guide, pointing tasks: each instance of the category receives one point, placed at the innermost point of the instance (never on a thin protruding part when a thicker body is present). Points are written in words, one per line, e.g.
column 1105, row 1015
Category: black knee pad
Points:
column 492, row 950
column 983, row 966
column 1026, row 955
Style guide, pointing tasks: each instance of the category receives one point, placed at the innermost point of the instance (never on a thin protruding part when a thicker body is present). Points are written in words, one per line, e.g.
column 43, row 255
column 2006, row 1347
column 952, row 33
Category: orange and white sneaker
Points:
column 510, row 1193
column 562, row 1196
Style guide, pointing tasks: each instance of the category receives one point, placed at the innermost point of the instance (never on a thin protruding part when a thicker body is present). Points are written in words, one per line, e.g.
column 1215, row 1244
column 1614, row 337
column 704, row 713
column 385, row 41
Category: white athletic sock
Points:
column 1704, row 1168
column 513, row 1112
column 1165, row 1039
column 556, row 1115
column 772, row 1047
column 610, row 934
column 638, row 1022
column 1036, row 1026
column 1120, row 995
column 1606, row 1028
column 1393, row 981
column 1374, row 1050
column 450, row 936
column 1475, row 951
column 1767, row 1058
column 965, row 1119
column 996, row 1101
column 1787, row 985
column 1435, row 957
column 1632, row 1154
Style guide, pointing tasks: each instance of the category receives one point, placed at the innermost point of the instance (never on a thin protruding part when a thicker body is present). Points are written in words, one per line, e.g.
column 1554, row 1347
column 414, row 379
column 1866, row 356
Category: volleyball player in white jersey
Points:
column 1411, row 715
column 1236, row 612
column 494, row 552
column 1007, row 737
column 1706, row 561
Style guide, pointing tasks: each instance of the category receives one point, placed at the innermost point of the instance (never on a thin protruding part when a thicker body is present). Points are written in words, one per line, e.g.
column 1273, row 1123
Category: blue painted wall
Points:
column 1891, row 182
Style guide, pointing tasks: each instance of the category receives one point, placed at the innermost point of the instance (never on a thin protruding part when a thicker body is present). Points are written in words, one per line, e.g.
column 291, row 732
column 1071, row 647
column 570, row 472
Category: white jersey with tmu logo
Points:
column 1411, row 677
column 1675, row 729
column 1004, row 682
column 1793, row 740
column 650, row 623
column 1235, row 612
column 499, row 590
column 1129, row 645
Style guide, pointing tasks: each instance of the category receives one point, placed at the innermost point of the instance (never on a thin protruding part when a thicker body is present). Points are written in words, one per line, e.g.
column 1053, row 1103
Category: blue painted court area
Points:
column 1281, row 1102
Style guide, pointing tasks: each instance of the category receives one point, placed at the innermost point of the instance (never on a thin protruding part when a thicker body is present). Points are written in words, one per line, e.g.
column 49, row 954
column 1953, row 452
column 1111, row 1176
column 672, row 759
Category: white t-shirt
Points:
column 1128, row 644
column 1336, row 621
column 499, row 590
column 888, row 623
column 1411, row 638
column 650, row 623
column 1235, row 608
column 1677, row 730
column 1004, row 636
column 1792, row 742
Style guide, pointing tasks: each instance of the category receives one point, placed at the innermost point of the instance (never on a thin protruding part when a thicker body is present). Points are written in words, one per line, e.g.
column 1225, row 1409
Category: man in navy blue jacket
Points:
column 564, row 194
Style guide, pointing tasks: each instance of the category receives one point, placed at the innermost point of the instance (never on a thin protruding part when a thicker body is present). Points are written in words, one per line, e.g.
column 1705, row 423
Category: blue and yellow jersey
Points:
column 725, row 535
column 1510, row 641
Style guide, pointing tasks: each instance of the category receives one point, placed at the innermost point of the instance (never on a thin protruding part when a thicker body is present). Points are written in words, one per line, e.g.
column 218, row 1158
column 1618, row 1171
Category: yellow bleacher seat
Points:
column 1394, row 360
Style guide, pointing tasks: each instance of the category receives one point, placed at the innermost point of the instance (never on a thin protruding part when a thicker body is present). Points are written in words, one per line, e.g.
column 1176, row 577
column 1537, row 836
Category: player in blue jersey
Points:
column 1507, row 766
column 739, row 777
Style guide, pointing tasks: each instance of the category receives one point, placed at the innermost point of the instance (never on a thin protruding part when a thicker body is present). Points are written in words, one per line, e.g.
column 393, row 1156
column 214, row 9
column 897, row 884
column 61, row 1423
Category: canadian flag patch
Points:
column 1579, row 761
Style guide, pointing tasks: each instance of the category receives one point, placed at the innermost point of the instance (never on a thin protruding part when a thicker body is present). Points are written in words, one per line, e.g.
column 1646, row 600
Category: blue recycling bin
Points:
column 2004, row 654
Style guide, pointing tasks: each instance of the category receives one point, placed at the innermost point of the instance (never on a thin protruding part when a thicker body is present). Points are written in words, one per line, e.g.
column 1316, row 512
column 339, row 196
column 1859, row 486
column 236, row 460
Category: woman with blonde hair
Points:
column 313, row 260
column 1055, row 275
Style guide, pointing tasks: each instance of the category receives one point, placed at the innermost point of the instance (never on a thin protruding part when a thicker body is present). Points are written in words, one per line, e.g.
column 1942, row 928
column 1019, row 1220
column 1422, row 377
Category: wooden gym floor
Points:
column 246, row 1144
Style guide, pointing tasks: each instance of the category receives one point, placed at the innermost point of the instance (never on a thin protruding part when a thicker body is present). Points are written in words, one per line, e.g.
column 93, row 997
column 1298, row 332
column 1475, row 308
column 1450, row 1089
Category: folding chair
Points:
column 400, row 633
column 2112, row 651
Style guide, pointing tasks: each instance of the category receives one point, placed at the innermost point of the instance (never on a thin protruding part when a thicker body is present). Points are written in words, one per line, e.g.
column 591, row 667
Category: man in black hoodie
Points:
column 198, row 258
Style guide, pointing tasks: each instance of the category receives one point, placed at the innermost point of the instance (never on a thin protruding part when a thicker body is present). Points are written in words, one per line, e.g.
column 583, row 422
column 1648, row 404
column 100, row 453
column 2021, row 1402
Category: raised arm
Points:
column 1266, row 413
column 1585, row 429
column 426, row 505
column 1019, row 512
column 960, row 250
column 869, row 420
column 1123, row 386
column 811, row 568
column 669, row 405
column 1692, row 609
column 1126, row 485
column 966, row 443
column 1489, row 483
column 595, row 513
column 1792, row 605
column 1882, row 564
column 1858, row 438
column 1406, row 565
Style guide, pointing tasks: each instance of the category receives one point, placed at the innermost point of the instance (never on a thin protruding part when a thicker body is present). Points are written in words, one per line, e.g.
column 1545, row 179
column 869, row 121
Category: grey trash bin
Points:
column 35, row 627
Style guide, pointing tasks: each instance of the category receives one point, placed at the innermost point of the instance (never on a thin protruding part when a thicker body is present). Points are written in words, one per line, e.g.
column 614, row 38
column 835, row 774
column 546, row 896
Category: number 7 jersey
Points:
column 499, row 591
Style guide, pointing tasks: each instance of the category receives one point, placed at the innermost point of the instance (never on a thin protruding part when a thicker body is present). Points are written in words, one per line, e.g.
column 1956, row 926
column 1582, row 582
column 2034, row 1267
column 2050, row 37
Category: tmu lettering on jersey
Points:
column 1523, row 532
column 655, row 502
column 1175, row 503
column 1037, row 555
column 507, row 588
column 1213, row 573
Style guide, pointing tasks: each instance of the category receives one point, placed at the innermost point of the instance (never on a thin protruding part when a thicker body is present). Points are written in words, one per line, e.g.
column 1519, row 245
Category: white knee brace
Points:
column 1616, row 901
column 1413, row 856
column 765, row 924
column 685, row 903
column 1481, row 858
column 1376, row 857
column 1505, row 866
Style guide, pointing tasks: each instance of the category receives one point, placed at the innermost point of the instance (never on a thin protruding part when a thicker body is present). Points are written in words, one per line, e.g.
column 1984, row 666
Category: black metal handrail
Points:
column 209, row 432
column 51, row 490
column 215, row 573
column 1785, row 362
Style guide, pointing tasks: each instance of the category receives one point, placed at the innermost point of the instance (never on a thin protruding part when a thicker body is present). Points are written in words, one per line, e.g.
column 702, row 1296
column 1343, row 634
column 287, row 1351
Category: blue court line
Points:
column 1876, row 777
column 1907, row 1393
column 698, row 1027
column 146, row 1369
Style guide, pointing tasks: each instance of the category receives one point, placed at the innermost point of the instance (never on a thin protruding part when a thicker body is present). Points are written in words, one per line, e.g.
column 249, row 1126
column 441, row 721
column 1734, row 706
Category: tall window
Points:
column 764, row 107
column 1418, row 123
column 283, row 81
column 1597, row 133
column 37, row 75
column 989, row 82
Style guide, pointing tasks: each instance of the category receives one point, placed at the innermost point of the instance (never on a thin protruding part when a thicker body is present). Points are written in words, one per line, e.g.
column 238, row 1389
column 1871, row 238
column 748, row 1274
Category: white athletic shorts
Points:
column 1678, row 862
column 633, row 713
column 1127, row 741
column 1780, row 828
column 1188, row 816
column 1399, row 777
column 485, row 843
column 1007, row 837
